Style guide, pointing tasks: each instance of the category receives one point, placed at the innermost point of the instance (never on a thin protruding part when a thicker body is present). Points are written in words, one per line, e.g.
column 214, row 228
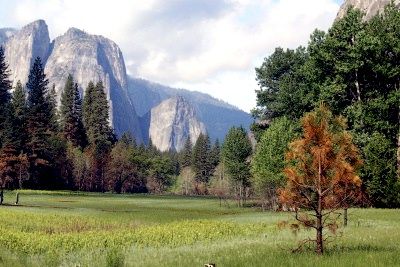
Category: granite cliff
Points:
column 87, row 57
column 217, row 116
column 370, row 7
column 92, row 58
column 171, row 122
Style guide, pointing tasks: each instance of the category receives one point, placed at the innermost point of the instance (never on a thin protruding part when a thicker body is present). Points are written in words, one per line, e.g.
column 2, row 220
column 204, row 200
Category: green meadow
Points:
column 92, row 229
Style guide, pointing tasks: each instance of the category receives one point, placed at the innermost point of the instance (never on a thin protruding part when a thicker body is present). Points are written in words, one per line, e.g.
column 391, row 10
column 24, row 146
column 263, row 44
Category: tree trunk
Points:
column 320, row 241
column 398, row 145
column 320, row 248
column 345, row 217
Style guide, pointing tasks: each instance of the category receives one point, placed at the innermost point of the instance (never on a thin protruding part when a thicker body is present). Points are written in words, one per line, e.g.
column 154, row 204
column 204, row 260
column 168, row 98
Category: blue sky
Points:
column 210, row 46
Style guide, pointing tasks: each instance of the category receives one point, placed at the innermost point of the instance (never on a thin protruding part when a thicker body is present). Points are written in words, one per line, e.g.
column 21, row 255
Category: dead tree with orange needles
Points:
column 321, row 173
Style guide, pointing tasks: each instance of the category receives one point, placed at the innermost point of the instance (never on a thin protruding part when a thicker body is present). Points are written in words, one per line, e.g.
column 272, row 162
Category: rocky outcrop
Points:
column 172, row 122
column 217, row 115
column 370, row 7
column 87, row 57
column 24, row 46
column 94, row 58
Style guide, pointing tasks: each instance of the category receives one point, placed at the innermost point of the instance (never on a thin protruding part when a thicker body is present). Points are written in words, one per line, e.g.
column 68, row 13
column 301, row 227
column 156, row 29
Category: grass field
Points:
column 85, row 229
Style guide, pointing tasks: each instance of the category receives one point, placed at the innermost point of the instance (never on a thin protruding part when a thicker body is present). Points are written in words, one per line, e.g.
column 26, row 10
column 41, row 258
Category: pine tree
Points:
column 71, row 114
column 321, row 173
column 215, row 153
column 96, row 115
column 38, row 121
column 5, row 83
column 236, row 150
column 201, row 163
column 5, row 96
column 186, row 153
column 20, row 107
column 99, row 133
column 51, row 99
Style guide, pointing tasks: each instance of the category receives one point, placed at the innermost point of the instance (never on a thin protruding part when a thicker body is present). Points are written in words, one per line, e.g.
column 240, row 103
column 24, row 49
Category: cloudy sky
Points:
column 210, row 46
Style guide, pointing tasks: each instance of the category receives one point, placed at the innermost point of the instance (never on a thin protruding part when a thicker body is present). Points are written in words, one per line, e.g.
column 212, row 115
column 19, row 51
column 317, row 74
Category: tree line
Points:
column 71, row 146
column 354, row 69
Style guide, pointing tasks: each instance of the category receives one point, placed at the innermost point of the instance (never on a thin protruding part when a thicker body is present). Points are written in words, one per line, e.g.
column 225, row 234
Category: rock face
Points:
column 87, row 57
column 172, row 122
column 22, row 48
column 94, row 58
column 217, row 116
column 370, row 7
column 165, row 118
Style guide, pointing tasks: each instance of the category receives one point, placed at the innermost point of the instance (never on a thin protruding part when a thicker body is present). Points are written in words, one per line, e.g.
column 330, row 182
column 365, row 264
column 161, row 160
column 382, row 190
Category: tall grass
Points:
column 67, row 229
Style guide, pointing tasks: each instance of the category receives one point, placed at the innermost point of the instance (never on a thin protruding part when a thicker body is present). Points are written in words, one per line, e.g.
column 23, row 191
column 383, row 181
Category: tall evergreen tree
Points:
column 20, row 108
column 96, row 114
column 5, row 96
column 38, row 123
column 236, row 150
column 100, row 135
column 186, row 153
column 71, row 114
column 215, row 153
column 201, row 163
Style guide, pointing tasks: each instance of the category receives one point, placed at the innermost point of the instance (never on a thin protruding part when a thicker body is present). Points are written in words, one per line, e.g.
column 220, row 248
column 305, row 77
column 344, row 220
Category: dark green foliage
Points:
column 354, row 69
column 71, row 114
column 38, row 124
column 5, row 96
column 236, row 150
column 215, row 153
column 5, row 83
column 379, row 172
column 279, row 78
column 269, row 159
column 96, row 114
column 20, row 110
column 202, row 163
column 186, row 153
column 159, row 173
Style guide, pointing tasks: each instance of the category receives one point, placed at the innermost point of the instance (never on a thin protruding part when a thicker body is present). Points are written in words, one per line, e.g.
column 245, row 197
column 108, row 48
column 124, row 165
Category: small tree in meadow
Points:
column 321, row 173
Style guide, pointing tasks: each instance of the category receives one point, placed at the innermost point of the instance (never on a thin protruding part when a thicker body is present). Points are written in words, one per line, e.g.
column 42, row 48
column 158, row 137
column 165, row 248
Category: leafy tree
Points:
column 360, row 80
column 379, row 172
column 236, row 150
column 120, row 169
column 280, row 81
column 160, row 173
column 268, row 160
column 321, row 172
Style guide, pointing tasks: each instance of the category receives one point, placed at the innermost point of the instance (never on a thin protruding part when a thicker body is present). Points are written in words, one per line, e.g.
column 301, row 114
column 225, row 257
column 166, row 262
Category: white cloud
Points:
column 208, row 45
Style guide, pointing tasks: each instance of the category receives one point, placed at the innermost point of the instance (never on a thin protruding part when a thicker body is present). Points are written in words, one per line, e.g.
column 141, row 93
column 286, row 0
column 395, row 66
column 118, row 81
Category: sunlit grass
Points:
column 86, row 229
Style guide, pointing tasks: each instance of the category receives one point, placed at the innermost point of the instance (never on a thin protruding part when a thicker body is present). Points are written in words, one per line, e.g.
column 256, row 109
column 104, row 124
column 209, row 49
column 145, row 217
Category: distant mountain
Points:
column 217, row 115
column 133, row 102
column 171, row 122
